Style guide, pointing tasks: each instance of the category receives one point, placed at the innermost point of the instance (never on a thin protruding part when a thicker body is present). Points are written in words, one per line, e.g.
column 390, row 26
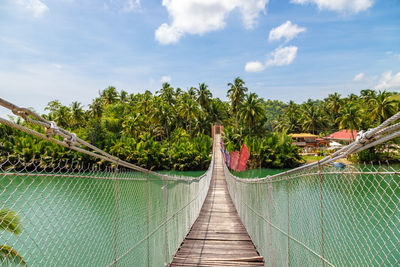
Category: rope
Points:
column 70, row 140
column 364, row 140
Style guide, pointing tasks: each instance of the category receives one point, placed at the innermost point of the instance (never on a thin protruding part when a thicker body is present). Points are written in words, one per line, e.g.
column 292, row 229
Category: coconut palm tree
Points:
column 188, row 110
column 123, row 96
column 383, row 106
column 236, row 94
column 167, row 93
column 77, row 114
column 109, row 95
column 311, row 117
column 10, row 221
column 251, row 110
column 333, row 103
column 96, row 108
column 203, row 96
column 349, row 118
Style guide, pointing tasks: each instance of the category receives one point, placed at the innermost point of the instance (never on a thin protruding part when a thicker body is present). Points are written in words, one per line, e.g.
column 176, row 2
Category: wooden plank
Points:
column 218, row 237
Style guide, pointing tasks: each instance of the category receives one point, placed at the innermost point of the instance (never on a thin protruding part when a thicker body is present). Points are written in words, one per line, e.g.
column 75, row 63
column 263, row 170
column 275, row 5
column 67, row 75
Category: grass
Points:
column 309, row 159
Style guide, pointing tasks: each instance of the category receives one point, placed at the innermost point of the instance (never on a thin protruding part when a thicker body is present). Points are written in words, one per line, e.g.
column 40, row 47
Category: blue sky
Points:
column 283, row 49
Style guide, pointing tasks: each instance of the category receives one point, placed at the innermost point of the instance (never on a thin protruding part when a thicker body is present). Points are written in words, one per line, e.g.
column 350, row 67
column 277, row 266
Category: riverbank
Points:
column 310, row 159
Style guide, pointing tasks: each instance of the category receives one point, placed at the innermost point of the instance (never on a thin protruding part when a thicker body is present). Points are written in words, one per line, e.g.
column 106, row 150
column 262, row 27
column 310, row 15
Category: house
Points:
column 343, row 136
column 305, row 141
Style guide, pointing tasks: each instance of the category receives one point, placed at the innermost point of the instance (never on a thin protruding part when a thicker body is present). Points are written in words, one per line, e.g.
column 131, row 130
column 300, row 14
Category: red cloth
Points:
column 244, row 157
column 234, row 160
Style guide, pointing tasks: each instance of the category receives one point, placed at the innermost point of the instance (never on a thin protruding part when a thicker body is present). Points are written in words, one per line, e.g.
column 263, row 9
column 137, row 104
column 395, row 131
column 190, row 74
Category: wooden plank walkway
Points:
column 218, row 237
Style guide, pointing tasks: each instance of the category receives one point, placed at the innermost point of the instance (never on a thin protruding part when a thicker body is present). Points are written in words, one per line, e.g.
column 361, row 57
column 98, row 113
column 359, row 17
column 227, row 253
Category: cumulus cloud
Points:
column 254, row 66
column 359, row 77
column 282, row 56
column 287, row 30
column 344, row 6
column 279, row 57
column 37, row 7
column 200, row 16
column 165, row 79
column 389, row 81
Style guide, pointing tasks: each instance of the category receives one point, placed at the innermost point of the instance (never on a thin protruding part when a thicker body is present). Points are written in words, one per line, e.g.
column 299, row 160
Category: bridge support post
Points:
column 288, row 221
column 270, row 227
column 164, row 188
column 148, row 217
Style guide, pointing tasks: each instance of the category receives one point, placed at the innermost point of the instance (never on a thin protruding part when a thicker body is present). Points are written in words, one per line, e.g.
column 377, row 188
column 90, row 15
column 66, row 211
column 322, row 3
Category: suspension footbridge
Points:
column 124, row 215
column 218, row 237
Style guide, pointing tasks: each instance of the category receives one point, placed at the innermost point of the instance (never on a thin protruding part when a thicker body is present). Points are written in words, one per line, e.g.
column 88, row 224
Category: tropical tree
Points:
column 10, row 221
column 251, row 110
column 123, row 96
column 167, row 93
column 311, row 117
column 349, row 118
column 188, row 110
column 203, row 96
column 383, row 106
column 96, row 108
column 236, row 93
column 77, row 114
column 109, row 95
column 333, row 103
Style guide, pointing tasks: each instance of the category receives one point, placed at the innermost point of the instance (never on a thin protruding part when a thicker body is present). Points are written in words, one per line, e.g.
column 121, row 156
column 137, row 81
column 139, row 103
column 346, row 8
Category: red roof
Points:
column 343, row 135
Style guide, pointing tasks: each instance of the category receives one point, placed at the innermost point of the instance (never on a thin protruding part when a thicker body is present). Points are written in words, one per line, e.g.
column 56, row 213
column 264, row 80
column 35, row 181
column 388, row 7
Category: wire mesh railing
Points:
column 79, row 216
column 67, row 214
column 323, row 217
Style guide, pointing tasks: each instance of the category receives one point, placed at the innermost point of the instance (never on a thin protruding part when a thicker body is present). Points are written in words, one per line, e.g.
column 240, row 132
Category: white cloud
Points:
column 389, row 81
column 254, row 66
column 165, row 79
column 344, row 6
column 37, row 7
column 282, row 56
column 287, row 30
column 359, row 77
column 201, row 16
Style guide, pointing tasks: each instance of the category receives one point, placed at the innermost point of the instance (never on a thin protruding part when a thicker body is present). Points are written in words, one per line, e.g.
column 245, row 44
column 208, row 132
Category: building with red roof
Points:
column 346, row 136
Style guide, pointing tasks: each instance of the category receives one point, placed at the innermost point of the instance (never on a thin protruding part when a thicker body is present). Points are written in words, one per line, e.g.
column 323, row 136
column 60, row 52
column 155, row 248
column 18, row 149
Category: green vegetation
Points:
column 10, row 221
column 171, row 129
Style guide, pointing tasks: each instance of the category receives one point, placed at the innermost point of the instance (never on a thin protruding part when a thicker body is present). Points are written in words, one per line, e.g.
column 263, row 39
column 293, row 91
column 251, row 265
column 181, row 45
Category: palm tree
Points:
column 251, row 110
column 109, row 95
column 333, row 103
column 349, row 118
column 167, row 93
column 192, row 92
column 96, row 108
column 311, row 117
column 10, row 221
column 77, row 114
column 236, row 93
column 123, row 96
column 62, row 116
column 188, row 110
column 383, row 106
column 217, row 111
column 203, row 96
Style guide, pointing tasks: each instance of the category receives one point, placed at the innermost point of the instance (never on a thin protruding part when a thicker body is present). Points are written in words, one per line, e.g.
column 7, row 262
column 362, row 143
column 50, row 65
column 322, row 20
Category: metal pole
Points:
column 270, row 227
column 165, row 222
column 148, row 218
column 322, row 215
column 115, row 213
column 288, row 224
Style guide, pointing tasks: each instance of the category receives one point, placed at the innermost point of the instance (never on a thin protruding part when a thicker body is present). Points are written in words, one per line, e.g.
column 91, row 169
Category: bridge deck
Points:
column 218, row 237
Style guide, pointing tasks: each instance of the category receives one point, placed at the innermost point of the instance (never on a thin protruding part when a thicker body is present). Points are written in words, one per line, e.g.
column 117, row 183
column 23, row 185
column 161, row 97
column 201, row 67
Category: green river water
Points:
column 67, row 219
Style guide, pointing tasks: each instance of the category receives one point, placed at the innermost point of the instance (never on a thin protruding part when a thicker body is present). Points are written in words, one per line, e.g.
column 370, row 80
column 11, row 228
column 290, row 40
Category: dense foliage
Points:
column 171, row 129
